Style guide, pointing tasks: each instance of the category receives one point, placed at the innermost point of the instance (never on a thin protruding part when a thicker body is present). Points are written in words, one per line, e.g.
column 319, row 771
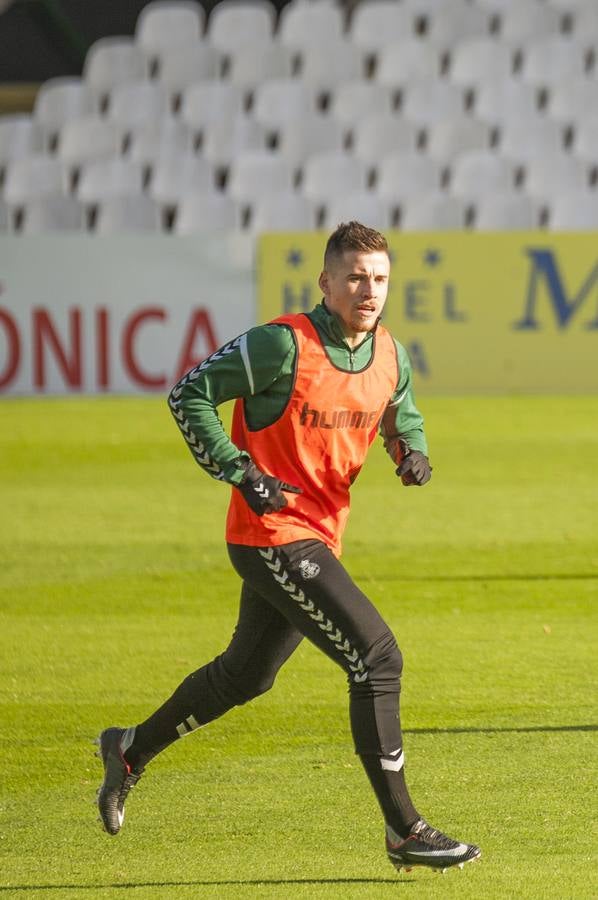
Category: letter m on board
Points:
column 544, row 273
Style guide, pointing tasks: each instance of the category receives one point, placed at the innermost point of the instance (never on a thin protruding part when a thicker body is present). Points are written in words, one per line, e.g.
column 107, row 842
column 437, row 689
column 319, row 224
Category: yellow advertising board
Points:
column 490, row 313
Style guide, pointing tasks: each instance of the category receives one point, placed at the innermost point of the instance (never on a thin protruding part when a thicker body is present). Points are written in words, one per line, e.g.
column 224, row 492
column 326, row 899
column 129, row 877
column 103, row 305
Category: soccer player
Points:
column 312, row 390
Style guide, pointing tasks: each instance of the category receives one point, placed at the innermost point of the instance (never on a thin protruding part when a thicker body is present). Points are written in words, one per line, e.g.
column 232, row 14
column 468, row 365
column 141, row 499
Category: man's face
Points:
column 355, row 288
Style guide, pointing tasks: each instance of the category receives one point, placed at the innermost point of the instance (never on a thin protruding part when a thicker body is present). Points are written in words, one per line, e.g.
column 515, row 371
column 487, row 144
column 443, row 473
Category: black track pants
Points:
column 289, row 592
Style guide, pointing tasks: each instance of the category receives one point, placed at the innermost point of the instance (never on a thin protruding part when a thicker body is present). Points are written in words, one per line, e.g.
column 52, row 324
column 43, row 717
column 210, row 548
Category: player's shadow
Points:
column 521, row 729
column 282, row 882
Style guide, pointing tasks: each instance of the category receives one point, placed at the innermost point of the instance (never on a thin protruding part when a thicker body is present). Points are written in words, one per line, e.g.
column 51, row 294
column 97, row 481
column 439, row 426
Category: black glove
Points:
column 263, row 493
column 415, row 468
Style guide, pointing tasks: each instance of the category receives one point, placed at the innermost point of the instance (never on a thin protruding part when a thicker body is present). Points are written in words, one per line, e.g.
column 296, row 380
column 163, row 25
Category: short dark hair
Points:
column 353, row 236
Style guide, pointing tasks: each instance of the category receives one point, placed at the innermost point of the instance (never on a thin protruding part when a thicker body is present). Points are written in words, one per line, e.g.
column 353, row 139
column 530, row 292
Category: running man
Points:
column 312, row 391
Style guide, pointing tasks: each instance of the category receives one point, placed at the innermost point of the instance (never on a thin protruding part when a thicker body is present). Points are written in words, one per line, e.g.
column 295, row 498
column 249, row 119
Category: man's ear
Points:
column 323, row 282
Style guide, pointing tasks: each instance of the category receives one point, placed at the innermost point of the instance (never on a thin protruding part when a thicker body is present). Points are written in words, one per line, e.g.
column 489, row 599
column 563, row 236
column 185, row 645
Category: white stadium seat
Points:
column 54, row 212
column 500, row 101
column 304, row 25
column 526, row 20
column 429, row 100
column 137, row 102
column 224, row 138
column 176, row 175
column 60, row 100
column 206, row 211
column 480, row 60
column 573, row 100
column 257, row 172
column 169, row 23
column 375, row 133
column 550, row 174
column 407, row 59
column 478, row 172
column 433, row 212
column 300, row 138
column 210, row 101
column 365, row 206
column 355, row 99
column 505, row 212
column 179, row 67
column 329, row 174
column 376, row 23
column 90, row 137
column 325, row 69
column 33, row 176
column 104, row 178
column 282, row 211
column 129, row 213
column 235, row 23
column 402, row 175
column 524, row 139
column 448, row 137
column 585, row 138
column 447, row 22
column 574, row 211
column 20, row 136
column 158, row 138
column 259, row 61
column 552, row 61
column 111, row 61
column 282, row 99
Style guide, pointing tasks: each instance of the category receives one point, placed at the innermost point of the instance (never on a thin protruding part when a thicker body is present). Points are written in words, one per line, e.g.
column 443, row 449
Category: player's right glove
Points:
column 264, row 493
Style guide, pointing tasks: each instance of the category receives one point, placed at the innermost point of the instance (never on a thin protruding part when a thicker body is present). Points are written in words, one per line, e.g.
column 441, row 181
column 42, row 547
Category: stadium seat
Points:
column 403, row 175
column 549, row 174
column 584, row 21
column 365, row 206
column 429, row 100
column 20, row 136
column 375, row 133
column 176, row 175
column 448, row 137
column 179, row 67
column 280, row 100
column 527, row 20
column 305, row 25
column 282, row 211
column 571, row 101
column 402, row 61
column 478, row 172
column 552, row 61
column 111, row 61
column 5, row 217
column 259, row 61
column 432, row 212
column 574, row 211
column 208, row 101
column 498, row 102
column 476, row 61
column 58, row 101
column 355, row 99
column 33, row 176
column 523, row 139
column 224, row 138
column 444, row 23
column 505, row 212
column 54, row 212
column 169, row 23
column 375, row 23
column 324, row 69
column 300, row 138
column 89, row 138
column 330, row 174
column 205, row 212
column 235, row 23
column 127, row 213
column 585, row 138
column 159, row 138
column 105, row 178
column 137, row 102
column 254, row 173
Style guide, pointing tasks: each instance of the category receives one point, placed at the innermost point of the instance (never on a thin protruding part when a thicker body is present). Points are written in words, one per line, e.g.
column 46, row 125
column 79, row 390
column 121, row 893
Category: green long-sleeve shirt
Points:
column 259, row 367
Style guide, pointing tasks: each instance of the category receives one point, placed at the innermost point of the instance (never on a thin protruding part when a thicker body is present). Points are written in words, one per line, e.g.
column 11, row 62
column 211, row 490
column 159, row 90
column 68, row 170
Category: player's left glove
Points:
column 414, row 467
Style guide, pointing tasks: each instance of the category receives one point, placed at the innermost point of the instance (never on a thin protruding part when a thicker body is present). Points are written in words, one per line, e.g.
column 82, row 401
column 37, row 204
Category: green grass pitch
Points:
column 114, row 584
